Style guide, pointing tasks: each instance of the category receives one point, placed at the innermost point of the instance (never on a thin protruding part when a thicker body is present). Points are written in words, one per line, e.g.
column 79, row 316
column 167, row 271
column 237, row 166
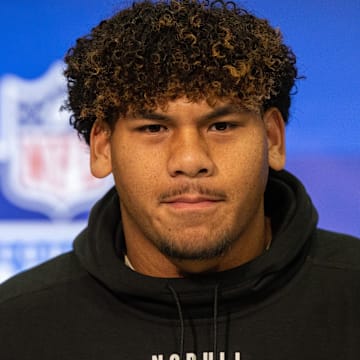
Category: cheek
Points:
column 247, row 179
column 135, row 172
column 246, row 160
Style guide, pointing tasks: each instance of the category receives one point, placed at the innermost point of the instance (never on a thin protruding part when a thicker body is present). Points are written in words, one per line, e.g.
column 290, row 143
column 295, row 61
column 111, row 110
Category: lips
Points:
column 192, row 202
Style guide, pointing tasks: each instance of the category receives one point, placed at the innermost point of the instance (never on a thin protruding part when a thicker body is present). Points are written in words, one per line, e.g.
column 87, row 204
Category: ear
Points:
column 275, row 132
column 100, row 150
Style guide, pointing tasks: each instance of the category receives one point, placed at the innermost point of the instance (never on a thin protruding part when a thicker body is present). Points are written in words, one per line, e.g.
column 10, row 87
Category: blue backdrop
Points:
column 45, row 194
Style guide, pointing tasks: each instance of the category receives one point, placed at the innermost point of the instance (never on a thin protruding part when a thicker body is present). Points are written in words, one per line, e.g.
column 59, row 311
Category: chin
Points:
column 195, row 254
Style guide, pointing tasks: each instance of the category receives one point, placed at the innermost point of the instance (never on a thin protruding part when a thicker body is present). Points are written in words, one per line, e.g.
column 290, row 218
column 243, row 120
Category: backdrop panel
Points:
column 46, row 189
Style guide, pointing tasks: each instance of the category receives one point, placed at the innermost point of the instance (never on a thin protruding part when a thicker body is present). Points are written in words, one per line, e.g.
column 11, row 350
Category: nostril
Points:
column 202, row 171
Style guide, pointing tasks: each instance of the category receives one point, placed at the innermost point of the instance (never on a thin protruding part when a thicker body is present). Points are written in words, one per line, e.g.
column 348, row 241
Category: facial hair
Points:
column 181, row 250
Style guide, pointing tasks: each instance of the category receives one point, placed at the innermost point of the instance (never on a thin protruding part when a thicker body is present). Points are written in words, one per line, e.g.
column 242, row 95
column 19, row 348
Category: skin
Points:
column 191, row 179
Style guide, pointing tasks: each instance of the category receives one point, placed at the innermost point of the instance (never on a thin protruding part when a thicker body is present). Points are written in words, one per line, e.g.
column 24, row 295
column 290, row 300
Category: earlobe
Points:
column 100, row 150
column 275, row 131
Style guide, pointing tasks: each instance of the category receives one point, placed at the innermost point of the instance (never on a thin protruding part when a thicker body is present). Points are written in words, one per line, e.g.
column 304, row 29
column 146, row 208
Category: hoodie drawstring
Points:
column 215, row 319
column 181, row 318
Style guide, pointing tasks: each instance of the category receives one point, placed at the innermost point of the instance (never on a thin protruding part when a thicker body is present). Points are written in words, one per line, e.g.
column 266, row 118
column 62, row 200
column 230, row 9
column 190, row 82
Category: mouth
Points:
column 192, row 202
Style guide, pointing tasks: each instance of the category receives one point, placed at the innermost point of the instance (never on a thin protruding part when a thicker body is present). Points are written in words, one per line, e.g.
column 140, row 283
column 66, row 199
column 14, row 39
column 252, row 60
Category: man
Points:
column 206, row 248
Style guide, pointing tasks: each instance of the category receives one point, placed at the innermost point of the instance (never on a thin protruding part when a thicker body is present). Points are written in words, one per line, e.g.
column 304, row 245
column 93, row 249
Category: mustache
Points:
column 188, row 189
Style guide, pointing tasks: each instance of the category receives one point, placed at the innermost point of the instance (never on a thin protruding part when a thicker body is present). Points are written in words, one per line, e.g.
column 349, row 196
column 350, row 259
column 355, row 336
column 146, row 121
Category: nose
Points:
column 189, row 155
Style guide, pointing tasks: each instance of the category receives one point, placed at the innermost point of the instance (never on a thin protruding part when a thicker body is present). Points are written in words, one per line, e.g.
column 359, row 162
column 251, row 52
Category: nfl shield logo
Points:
column 45, row 166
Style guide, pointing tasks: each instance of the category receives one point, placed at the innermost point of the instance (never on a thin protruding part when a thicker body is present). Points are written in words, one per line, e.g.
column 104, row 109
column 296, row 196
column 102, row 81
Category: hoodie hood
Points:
column 100, row 249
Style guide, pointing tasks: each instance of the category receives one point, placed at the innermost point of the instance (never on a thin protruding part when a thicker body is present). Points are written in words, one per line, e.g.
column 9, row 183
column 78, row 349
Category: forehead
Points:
column 184, row 105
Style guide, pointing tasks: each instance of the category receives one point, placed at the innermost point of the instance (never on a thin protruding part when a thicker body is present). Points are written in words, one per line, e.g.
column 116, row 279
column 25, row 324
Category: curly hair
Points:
column 152, row 53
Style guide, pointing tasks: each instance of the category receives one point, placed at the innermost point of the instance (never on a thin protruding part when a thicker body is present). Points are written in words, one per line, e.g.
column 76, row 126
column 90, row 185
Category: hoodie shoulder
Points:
column 336, row 250
column 61, row 269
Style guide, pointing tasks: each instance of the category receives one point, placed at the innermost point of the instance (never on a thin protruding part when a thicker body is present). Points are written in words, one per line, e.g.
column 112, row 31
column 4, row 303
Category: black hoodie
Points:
column 298, row 300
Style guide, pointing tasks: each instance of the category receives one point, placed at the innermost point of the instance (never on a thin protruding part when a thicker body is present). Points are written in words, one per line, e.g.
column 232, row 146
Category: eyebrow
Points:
column 220, row 112
column 153, row 116
column 216, row 113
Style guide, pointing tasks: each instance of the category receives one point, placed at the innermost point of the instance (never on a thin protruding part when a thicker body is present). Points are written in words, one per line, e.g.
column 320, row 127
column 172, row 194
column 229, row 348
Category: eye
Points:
column 221, row 126
column 153, row 128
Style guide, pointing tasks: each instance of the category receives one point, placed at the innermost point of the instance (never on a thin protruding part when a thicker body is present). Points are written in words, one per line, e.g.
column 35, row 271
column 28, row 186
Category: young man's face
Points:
column 191, row 178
